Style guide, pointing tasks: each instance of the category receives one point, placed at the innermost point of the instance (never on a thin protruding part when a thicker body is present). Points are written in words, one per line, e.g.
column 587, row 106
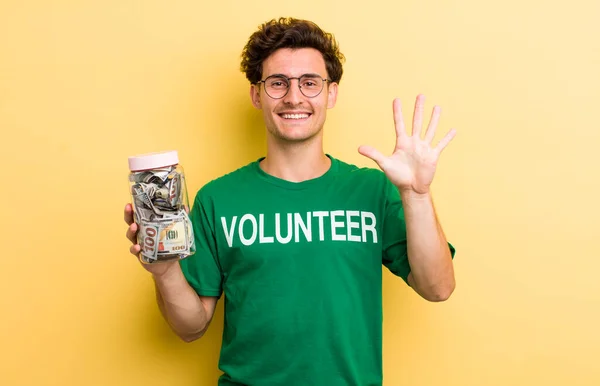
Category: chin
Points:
column 295, row 135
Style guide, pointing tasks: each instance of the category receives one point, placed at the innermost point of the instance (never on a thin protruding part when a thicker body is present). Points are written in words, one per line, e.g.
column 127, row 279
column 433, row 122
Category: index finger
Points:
column 128, row 214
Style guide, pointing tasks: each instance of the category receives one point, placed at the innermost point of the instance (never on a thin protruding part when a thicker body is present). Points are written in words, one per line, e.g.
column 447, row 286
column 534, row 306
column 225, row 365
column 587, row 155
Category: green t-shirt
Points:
column 300, row 265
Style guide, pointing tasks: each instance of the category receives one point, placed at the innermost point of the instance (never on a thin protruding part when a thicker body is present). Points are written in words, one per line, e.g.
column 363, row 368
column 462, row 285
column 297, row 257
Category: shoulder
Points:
column 228, row 182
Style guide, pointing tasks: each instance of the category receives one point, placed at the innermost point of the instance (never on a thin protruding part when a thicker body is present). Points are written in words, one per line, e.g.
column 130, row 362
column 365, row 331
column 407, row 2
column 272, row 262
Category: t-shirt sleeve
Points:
column 202, row 269
column 395, row 250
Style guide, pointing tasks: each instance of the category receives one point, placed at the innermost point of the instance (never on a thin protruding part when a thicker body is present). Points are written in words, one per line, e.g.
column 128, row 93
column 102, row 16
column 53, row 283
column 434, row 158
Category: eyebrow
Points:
column 310, row 74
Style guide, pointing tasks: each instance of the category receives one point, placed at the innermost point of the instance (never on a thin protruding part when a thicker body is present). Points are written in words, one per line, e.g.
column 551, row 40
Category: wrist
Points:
column 170, row 271
column 411, row 195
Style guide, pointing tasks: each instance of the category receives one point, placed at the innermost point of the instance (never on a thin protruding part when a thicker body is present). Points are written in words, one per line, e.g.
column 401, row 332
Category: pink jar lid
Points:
column 153, row 160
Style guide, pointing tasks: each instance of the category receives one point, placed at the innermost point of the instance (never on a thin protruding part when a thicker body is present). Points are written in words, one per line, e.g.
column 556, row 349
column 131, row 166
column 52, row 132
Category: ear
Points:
column 332, row 91
column 255, row 96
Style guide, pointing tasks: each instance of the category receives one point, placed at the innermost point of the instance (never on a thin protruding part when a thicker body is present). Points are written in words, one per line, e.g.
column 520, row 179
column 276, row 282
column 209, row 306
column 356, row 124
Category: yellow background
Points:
column 84, row 84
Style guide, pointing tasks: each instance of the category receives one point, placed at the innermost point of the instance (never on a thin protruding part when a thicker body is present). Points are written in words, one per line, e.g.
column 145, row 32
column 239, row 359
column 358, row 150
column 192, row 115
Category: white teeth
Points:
column 294, row 116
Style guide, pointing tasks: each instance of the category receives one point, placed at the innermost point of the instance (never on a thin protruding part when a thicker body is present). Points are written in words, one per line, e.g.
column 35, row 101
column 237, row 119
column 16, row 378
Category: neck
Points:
column 295, row 161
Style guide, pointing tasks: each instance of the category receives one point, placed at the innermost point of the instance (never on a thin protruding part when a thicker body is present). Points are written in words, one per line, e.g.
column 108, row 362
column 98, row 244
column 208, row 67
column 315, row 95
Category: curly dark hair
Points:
column 290, row 33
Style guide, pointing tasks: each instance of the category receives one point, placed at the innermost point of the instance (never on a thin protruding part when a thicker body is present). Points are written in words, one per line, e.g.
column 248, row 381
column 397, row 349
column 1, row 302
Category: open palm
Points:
column 412, row 164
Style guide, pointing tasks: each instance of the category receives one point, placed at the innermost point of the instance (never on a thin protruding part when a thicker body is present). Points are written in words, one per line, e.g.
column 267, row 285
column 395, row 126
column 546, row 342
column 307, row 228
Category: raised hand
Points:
column 411, row 166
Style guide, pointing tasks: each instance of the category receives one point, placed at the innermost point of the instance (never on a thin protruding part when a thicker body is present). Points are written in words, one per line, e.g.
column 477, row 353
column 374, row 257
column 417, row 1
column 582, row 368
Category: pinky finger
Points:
column 445, row 141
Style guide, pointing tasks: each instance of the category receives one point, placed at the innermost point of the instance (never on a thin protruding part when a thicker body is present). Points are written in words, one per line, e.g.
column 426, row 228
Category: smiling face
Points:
column 295, row 117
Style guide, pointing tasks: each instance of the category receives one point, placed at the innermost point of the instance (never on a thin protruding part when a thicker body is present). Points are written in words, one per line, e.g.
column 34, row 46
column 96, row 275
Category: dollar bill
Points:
column 173, row 237
column 140, row 196
column 174, row 185
column 148, row 239
column 162, row 206
column 162, row 193
column 143, row 214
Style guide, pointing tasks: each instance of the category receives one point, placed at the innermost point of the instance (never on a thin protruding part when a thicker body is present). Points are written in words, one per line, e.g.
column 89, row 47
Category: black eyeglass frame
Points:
column 289, row 82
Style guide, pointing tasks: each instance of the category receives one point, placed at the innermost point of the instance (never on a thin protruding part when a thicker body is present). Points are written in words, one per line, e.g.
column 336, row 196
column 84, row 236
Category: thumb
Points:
column 372, row 153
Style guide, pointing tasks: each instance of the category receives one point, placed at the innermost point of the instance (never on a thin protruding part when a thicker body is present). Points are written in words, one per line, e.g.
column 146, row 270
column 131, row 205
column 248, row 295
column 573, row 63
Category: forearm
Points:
column 181, row 307
column 428, row 252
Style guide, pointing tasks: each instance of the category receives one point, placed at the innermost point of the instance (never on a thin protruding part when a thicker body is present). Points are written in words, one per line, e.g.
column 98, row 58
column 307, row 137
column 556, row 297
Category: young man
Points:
column 296, row 239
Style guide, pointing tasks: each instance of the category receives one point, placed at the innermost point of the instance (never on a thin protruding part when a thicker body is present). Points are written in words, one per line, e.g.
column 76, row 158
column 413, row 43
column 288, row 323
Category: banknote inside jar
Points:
column 165, row 230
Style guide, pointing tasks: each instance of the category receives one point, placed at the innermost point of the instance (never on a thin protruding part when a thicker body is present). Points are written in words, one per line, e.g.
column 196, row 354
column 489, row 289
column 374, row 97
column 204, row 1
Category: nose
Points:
column 293, row 96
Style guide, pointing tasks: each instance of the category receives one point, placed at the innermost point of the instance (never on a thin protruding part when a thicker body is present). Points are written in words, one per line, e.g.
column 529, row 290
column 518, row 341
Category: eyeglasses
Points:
column 277, row 86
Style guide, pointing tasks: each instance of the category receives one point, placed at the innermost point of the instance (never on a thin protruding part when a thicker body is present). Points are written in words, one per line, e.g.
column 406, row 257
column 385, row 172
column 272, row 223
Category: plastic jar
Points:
column 161, row 207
